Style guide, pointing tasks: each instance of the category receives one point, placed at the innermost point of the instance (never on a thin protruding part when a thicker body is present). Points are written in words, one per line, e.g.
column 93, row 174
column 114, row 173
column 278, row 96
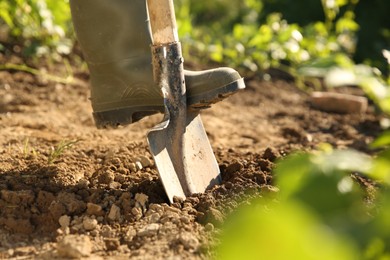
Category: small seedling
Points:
column 27, row 150
column 59, row 149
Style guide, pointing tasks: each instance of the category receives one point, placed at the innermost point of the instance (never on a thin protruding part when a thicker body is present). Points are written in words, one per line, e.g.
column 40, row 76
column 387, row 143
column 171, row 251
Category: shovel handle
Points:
column 163, row 21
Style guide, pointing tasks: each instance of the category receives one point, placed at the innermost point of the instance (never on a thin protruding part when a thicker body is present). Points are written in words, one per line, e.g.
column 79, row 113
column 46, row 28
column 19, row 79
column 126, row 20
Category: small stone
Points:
column 189, row 241
column 155, row 217
column 114, row 185
column 136, row 211
column 59, row 232
column 185, row 219
column 145, row 161
column 90, row 223
column 138, row 165
column 64, row 221
column 149, row 230
column 164, row 219
column 94, row 209
column 209, row 227
column 156, row 207
column 171, row 209
column 130, row 234
column 115, row 212
column 107, row 231
column 141, row 199
column 177, row 199
column 215, row 216
column 74, row 246
column 132, row 167
column 112, row 243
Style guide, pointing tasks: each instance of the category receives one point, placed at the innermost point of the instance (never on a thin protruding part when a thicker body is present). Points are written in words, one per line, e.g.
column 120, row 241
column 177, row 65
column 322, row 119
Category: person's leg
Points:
column 115, row 39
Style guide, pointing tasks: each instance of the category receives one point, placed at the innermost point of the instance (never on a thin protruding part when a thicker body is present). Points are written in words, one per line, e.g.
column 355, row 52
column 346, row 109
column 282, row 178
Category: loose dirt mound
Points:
column 101, row 195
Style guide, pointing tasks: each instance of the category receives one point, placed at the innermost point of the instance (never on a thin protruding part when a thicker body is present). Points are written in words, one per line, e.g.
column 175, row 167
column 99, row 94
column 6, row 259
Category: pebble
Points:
column 94, row 209
column 64, row 221
column 185, row 219
column 138, row 165
column 171, row 209
column 156, row 207
column 115, row 212
column 141, row 199
column 137, row 212
column 112, row 243
column 132, row 167
column 130, row 234
column 74, row 246
column 209, row 227
column 107, row 231
column 189, row 241
column 145, row 161
column 153, row 218
column 149, row 230
column 90, row 223
column 215, row 216
column 114, row 185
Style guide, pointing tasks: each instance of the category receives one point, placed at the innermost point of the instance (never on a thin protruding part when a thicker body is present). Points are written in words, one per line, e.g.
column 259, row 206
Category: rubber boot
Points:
column 115, row 39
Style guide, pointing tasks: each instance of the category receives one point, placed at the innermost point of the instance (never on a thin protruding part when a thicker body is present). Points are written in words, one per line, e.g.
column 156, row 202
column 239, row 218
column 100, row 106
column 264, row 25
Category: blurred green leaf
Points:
column 382, row 140
column 381, row 167
column 281, row 231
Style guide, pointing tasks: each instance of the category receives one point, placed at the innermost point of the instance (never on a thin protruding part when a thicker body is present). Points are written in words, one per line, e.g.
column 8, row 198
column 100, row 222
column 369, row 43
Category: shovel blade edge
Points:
column 201, row 170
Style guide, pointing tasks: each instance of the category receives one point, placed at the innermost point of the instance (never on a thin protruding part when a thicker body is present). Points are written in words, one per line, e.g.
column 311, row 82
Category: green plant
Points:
column 59, row 150
column 41, row 73
column 320, row 213
column 27, row 150
column 42, row 27
column 254, row 40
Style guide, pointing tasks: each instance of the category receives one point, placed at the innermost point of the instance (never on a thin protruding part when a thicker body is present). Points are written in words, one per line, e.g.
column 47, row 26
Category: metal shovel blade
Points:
column 192, row 172
column 179, row 144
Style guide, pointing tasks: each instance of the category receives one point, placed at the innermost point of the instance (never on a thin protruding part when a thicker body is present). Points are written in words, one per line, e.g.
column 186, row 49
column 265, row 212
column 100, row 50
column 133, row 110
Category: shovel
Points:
column 179, row 144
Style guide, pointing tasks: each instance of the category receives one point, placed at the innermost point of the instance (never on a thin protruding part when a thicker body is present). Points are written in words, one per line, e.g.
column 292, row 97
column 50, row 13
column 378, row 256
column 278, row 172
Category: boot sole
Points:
column 128, row 115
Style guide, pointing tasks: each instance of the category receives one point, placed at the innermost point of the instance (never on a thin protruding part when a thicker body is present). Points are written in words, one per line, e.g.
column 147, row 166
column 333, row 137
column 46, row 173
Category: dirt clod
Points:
column 90, row 223
column 94, row 209
column 189, row 241
column 149, row 230
column 115, row 213
column 74, row 246
column 64, row 221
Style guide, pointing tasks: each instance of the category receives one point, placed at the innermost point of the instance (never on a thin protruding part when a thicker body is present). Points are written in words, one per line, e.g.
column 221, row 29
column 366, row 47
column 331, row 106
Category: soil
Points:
column 69, row 190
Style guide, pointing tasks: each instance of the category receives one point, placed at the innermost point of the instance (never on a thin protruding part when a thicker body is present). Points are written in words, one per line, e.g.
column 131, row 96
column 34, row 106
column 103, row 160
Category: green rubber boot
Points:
column 115, row 39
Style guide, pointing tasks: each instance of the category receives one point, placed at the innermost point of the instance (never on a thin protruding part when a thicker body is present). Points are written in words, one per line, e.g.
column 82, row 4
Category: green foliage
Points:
column 40, row 26
column 259, row 40
column 281, row 231
column 321, row 213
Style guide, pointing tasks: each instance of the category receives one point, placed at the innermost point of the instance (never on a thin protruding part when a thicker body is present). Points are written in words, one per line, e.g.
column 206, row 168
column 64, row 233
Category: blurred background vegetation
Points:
column 249, row 34
column 320, row 212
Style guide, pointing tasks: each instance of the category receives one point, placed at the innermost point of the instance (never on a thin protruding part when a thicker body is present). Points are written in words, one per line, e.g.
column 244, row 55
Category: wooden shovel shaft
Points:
column 163, row 21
